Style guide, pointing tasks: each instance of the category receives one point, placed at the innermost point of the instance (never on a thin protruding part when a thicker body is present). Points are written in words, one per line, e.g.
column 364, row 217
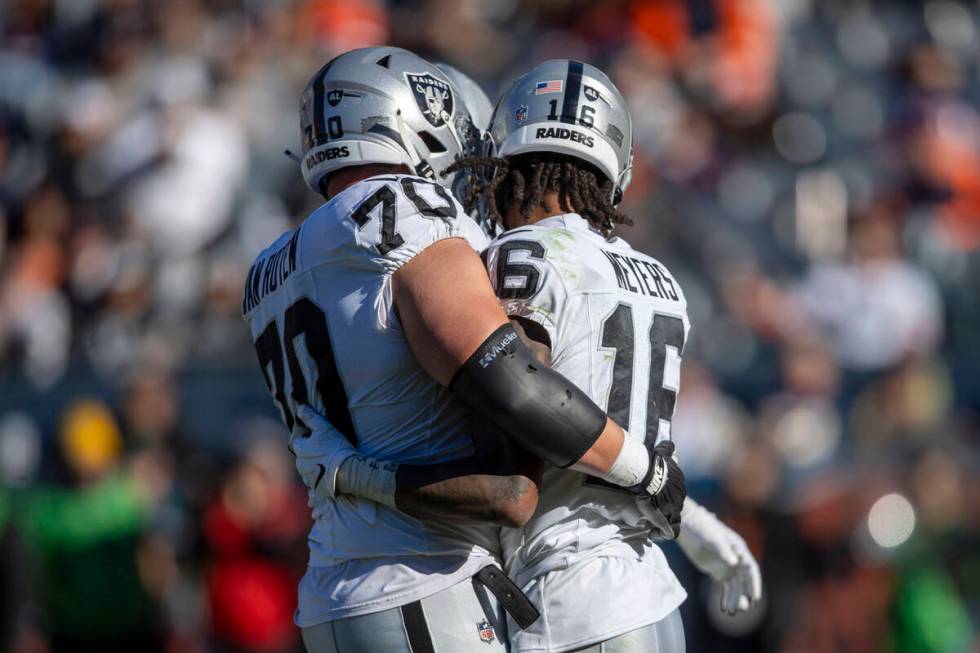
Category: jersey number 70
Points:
column 304, row 318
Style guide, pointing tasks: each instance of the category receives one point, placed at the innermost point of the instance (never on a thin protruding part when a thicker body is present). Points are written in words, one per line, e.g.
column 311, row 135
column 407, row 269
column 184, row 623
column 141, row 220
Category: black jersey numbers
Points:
column 618, row 333
column 269, row 351
column 304, row 322
column 411, row 192
column 386, row 198
column 518, row 280
column 666, row 331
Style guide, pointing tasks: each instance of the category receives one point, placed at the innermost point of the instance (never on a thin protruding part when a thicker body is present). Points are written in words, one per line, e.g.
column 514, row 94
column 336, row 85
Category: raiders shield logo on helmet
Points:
column 434, row 97
column 486, row 631
column 591, row 94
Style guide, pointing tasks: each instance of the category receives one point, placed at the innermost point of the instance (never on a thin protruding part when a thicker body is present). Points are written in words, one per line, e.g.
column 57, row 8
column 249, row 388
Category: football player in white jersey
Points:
column 614, row 321
column 368, row 312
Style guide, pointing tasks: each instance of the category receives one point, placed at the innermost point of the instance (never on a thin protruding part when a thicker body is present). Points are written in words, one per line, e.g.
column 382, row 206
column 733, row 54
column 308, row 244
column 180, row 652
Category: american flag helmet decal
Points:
column 550, row 86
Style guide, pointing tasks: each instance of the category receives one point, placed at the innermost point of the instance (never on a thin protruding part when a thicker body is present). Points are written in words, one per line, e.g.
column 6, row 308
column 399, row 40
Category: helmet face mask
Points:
column 382, row 105
column 568, row 108
column 480, row 109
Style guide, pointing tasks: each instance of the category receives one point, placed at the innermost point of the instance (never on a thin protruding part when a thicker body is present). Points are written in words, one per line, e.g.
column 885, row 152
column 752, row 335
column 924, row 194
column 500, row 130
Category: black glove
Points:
column 664, row 487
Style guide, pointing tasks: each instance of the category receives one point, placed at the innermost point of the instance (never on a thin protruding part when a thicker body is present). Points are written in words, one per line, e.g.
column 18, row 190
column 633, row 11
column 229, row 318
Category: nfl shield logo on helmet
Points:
column 433, row 96
column 521, row 114
column 486, row 631
column 335, row 96
column 591, row 94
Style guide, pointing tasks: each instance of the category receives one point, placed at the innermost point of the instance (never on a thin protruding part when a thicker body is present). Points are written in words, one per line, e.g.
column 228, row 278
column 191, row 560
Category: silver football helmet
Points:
column 383, row 105
column 567, row 107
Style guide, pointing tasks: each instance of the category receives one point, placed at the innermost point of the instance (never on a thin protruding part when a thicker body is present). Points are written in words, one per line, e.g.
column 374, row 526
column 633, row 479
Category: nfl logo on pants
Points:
column 486, row 631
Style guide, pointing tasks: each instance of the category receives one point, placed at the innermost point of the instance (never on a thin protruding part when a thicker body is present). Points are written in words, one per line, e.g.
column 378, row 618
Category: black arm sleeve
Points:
column 539, row 408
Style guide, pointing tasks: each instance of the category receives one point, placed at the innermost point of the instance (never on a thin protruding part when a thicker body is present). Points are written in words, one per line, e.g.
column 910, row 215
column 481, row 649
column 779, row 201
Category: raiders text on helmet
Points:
column 382, row 105
column 572, row 108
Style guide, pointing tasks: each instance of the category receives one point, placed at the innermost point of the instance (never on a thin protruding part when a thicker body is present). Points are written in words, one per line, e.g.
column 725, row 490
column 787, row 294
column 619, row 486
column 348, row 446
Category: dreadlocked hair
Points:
column 525, row 180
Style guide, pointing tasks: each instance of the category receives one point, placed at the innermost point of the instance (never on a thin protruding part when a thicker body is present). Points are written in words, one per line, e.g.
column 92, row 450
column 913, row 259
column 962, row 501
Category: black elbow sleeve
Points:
column 537, row 407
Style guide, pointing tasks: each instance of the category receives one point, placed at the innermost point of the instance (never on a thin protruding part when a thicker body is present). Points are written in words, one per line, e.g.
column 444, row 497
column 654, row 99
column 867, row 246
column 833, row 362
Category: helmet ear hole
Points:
column 434, row 144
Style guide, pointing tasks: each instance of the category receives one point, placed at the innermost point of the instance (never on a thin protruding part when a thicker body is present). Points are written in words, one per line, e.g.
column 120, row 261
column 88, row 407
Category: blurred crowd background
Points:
column 809, row 170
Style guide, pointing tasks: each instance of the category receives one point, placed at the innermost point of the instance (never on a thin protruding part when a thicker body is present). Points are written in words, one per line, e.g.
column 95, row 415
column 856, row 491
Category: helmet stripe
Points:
column 573, row 86
column 319, row 118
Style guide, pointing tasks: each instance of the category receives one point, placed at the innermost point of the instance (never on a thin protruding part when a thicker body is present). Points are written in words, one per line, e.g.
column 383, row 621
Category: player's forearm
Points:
column 475, row 497
column 497, row 484
column 499, row 489
column 438, row 492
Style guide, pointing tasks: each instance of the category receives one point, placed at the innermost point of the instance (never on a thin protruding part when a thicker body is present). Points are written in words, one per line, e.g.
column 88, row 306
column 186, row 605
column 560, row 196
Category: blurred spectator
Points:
column 876, row 309
column 85, row 539
column 801, row 422
column 907, row 406
column 255, row 533
column 930, row 613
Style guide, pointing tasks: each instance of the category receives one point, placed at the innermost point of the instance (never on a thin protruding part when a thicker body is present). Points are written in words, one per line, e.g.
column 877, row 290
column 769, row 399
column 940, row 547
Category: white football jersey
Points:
column 617, row 321
column 319, row 305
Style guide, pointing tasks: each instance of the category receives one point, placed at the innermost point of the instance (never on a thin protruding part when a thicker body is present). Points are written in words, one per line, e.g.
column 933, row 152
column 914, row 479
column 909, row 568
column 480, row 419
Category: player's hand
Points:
column 319, row 450
column 720, row 552
column 664, row 489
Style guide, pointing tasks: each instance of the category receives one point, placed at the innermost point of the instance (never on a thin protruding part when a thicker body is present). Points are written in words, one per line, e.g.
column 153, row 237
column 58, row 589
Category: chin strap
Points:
column 624, row 179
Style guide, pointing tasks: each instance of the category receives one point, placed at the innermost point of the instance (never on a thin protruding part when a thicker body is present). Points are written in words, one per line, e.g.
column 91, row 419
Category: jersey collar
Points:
column 567, row 221
column 570, row 221
column 575, row 222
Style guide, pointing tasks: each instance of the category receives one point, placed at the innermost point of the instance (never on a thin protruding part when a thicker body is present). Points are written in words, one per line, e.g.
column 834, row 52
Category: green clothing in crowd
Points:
column 84, row 542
